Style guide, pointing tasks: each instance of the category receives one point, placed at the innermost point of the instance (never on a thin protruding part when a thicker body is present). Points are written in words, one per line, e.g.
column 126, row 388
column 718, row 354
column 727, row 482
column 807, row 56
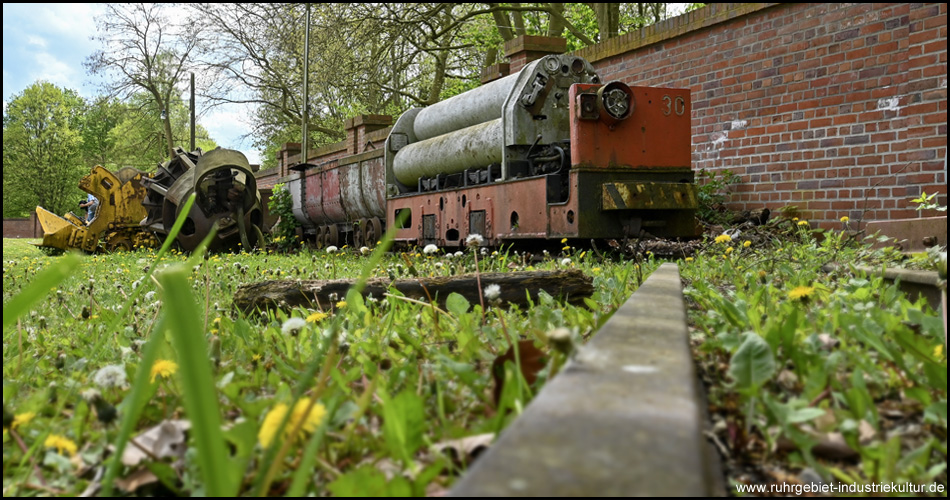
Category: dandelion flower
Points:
column 563, row 241
column 308, row 421
column 723, row 238
column 689, row 259
column 729, row 250
column 746, row 243
column 292, row 326
column 474, row 240
column 110, row 376
column 365, row 250
column 316, row 317
column 565, row 261
column 802, row 293
column 430, row 249
column 24, row 418
column 341, row 304
column 492, row 292
column 803, row 223
column 938, row 352
column 845, row 219
column 459, row 253
column 61, row 443
column 332, row 249
column 164, row 368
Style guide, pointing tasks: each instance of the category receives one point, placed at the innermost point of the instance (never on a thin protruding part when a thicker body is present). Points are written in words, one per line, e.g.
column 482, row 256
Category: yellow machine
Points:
column 115, row 226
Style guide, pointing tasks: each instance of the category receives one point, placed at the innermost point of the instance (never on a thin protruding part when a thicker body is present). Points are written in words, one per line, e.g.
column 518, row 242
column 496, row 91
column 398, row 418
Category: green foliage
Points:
column 814, row 354
column 284, row 233
column 42, row 150
column 430, row 367
column 713, row 193
column 927, row 202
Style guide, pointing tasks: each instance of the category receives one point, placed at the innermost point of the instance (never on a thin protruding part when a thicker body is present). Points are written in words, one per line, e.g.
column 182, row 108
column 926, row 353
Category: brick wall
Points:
column 837, row 109
column 22, row 228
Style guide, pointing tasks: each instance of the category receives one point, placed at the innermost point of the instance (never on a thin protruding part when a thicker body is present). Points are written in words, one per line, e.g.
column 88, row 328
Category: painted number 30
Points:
column 677, row 105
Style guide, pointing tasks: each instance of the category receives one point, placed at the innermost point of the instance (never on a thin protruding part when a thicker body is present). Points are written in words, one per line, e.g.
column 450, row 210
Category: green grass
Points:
column 433, row 369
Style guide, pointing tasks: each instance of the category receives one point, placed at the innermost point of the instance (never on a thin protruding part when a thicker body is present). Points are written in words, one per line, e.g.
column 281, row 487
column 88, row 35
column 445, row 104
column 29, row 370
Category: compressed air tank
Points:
column 492, row 124
column 471, row 147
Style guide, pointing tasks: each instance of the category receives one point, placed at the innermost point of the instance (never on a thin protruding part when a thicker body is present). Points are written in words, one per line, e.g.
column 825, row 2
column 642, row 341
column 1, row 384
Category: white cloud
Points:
column 36, row 40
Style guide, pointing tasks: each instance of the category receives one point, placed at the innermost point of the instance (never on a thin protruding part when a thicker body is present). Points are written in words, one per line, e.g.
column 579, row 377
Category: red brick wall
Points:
column 22, row 228
column 837, row 109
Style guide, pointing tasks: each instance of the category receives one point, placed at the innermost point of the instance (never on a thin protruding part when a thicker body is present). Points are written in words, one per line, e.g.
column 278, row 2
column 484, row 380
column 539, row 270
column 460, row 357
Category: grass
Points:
column 359, row 396
column 816, row 376
column 810, row 374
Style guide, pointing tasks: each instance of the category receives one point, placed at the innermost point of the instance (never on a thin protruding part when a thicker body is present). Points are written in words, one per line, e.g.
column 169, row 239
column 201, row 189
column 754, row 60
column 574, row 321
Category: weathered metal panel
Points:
column 648, row 195
column 351, row 191
column 656, row 134
column 333, row 196
column 314, row 198
column 373, row 179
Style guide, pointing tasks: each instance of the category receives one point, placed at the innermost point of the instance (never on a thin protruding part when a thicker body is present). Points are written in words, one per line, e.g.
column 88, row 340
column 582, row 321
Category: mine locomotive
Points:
column 550, row 152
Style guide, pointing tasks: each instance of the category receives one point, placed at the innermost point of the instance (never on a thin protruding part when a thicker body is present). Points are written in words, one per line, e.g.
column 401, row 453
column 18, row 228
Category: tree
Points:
column 145, row 51
column 42, row 150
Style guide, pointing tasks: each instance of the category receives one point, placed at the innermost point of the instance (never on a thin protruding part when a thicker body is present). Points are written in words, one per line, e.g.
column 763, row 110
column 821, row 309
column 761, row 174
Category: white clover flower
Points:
column 430, row 249
column 474, row 240
column 332, row 249
column 492, row 292
column 565, row 261
column 110, row 376
column 365, row 250
column 293, row 325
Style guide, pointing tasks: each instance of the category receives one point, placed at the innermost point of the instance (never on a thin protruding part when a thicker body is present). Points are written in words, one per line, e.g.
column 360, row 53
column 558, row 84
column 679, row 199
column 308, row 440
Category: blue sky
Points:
column 51, row 41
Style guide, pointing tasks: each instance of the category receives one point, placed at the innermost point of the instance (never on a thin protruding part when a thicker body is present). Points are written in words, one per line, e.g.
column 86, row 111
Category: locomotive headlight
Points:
column 615, row 102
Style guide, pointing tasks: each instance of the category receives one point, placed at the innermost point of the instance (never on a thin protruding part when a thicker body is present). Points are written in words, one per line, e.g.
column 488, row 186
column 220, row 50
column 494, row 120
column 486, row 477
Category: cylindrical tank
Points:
column 472, row 147
column 478, row 105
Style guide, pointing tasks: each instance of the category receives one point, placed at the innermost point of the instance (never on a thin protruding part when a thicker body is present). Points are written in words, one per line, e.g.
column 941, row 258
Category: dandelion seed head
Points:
column 492, row 291
column 474, row 240
column 332, row 249
column 430, row 249
column 292, row 326
column 110, row 376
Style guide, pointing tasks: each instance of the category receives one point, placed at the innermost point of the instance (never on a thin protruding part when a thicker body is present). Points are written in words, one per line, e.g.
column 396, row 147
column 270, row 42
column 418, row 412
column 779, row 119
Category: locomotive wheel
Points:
column 333, row 235
column 359, row 239
column 373, row 232
column 321, row 240
column 119, row 245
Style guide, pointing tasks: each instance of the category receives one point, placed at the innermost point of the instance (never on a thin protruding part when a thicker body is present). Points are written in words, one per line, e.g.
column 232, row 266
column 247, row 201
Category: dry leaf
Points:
column 464, row 451
column 136, row 480
column 166, row 439
column 532, row 360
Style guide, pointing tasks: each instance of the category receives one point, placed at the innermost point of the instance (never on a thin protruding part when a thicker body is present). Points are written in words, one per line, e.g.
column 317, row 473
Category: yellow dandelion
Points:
column 746, row 244
column 308, row 421
column 723, row 238
column 582, row 255
column 61, row 443
column 22, row 419
column 938, row 353
column 316, row 317
column 596, row 269
column 255, row 358
column 729, row 250
column 689, row 259
column 566, row 248
column 164, row 368
column 563, row 241
column 794, row 219
column 845, row 219
column 803, row 223
column 802, row 293
column 341, row 304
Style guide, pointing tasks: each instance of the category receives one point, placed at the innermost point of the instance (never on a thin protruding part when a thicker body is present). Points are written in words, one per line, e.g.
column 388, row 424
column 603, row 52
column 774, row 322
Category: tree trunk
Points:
column 555, row 23
column 572, row 285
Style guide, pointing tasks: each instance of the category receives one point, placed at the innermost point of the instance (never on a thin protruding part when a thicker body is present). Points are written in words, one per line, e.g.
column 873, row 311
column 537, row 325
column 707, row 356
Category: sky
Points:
column 51, row 41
